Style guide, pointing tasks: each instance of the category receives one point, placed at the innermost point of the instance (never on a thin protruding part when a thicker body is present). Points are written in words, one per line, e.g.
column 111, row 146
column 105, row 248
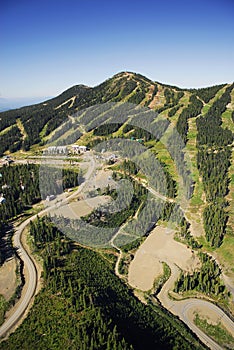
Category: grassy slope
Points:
column 216, row 331
column 224, row 254
column 226, row 251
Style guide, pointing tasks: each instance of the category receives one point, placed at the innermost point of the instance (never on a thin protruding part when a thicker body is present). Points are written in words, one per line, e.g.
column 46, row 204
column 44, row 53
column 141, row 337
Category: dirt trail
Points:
column 161, row 245
column 8, row 278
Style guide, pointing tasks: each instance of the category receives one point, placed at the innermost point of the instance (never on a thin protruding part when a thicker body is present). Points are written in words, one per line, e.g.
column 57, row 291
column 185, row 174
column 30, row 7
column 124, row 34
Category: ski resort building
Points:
column 76, row 149
column 56, row 150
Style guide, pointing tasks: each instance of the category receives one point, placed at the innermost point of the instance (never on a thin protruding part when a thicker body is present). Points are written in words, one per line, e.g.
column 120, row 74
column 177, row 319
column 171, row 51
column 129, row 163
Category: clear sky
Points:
column 50, row 45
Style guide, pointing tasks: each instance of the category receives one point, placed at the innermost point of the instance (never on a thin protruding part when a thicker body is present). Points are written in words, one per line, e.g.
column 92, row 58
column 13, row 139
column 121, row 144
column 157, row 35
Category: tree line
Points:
column 205, row 280
column 213, row 161
column 206, row 94
column 11, row 140
column 194, row 108
column 84, row 305
column 21, row 187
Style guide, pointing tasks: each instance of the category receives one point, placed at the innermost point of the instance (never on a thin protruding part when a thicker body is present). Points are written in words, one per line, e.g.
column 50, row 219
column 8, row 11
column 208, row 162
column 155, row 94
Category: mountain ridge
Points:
column 41, row 119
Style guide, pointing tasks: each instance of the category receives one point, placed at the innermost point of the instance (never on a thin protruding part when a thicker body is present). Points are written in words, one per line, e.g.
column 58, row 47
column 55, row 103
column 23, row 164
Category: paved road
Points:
column 28, row 262
column 190, row 304
column 181, row 308
column 32, row 283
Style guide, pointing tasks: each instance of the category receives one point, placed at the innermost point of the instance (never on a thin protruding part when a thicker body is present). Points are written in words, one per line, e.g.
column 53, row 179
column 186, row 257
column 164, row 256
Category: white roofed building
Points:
column 76, row 149
column 56, row 150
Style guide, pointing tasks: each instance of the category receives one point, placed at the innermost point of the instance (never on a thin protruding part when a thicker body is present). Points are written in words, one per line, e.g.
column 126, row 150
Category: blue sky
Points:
column 48, row 46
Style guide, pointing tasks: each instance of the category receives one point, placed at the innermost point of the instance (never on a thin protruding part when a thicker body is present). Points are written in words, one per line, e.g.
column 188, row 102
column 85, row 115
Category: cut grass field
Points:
column 21, row 127
column 191, row 149
column 184, row 101
column 43, row 132
column 206, row 108
column 227, row 121
column 230, row 196
column 4, row 131
column 85, row 138
column 209, row 104
column 164, row 156
column 226, row 254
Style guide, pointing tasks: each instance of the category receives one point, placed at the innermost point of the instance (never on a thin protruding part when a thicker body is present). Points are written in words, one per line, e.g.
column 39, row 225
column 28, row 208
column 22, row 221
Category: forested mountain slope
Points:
column 84, row 305
column 202, row 118
column 26, row 126
column 87, row 302
column 208, row 110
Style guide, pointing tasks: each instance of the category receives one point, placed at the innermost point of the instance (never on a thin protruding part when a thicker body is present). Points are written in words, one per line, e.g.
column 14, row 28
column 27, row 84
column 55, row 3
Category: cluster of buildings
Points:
column 108, row 157
column 64, row 150
column 56, row 150
column 76, row 149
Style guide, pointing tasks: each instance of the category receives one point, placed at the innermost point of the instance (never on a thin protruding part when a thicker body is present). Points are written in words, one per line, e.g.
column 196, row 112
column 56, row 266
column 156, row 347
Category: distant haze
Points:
column 11, row 103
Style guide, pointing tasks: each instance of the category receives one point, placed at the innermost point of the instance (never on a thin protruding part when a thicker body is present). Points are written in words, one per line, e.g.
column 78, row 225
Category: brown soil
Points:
column 8, row 278
column 158, row 247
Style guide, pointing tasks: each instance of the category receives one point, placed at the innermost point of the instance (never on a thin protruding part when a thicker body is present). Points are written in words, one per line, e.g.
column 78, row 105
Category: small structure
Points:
column 83, row 148
column 2, row 199
column 112, row 158
column 76, row 149
column 56, row 150
column 5, row 186
column 50, row 197
column 6, row 160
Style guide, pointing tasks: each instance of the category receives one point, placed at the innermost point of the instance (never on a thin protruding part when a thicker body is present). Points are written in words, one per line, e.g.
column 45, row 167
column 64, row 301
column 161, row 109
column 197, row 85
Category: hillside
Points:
column 21, row 128
column 173, row 123
column 175, row 148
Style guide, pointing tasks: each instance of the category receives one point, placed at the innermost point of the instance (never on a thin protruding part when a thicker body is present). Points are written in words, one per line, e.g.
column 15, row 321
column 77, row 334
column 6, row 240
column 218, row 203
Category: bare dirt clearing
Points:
column 76, row 209
column 8, row 279
column 159, row 246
